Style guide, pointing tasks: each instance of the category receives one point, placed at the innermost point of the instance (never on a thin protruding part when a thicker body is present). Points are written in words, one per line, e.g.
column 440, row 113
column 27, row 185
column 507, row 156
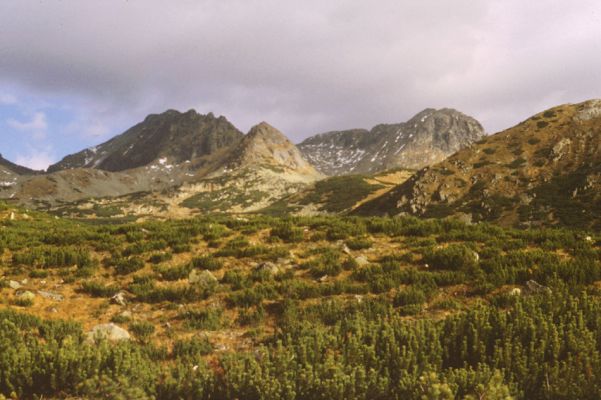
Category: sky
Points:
column 74, row 73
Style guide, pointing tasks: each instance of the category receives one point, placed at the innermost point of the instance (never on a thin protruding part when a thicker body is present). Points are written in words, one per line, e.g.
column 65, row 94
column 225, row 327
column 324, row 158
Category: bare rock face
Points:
column 427, row 138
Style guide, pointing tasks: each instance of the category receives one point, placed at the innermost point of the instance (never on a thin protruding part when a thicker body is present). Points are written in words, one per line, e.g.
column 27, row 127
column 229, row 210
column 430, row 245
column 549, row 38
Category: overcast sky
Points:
column 74, row 73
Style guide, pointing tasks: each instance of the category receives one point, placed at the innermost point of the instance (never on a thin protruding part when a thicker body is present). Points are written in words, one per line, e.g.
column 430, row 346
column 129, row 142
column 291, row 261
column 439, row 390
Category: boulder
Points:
column 110, row 332
column 14, row 285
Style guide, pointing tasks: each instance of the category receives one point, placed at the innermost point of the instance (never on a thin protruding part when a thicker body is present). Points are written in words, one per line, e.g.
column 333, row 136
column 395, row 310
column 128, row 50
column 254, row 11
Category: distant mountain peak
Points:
column 266, row 145
column 174, row 135
column 428, row 137
column 264, row 131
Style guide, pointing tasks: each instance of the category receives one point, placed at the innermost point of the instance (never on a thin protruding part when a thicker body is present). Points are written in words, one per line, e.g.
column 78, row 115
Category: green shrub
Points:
column 192, row 349
column 160, row 258
column 98, row 289
column 208, row 319
column 359, row 244
column 173, row 273
column 287, row 232
column 455, row 257
column 142, row 330
column 129, row 265
column 207, row 262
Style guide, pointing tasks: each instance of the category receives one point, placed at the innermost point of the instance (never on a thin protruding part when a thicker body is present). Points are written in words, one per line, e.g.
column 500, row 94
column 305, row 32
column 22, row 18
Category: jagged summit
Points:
column 428, row 137
column 546, row 170
column 172, row 135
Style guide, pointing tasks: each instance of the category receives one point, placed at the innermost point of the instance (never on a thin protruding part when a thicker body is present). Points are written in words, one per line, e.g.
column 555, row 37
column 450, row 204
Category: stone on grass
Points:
column 110, row 332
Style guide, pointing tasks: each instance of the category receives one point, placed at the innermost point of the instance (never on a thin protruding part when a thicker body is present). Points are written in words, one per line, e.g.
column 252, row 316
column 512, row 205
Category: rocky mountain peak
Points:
column 267, row 146
column 428, row 137
column 171, row 135
column 267, row 133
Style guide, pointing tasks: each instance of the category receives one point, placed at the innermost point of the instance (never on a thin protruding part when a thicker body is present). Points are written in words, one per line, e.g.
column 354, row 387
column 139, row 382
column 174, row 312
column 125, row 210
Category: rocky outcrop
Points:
column 427, row 138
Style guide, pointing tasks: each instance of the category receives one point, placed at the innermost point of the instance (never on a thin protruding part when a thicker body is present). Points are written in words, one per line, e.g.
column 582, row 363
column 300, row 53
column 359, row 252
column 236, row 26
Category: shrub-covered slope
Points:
column 297, row 308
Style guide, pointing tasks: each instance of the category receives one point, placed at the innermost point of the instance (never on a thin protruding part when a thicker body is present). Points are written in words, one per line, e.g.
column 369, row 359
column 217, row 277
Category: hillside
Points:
column 546, row 170
column 427, row 138
column 171, row 136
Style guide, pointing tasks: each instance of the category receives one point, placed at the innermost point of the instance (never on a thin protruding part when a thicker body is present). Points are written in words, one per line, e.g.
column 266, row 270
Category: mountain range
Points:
column 544, row 171
column 178, row 163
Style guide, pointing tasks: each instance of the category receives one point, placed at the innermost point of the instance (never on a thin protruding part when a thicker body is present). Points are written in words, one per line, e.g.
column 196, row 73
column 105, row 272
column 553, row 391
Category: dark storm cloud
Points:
column 308, row 66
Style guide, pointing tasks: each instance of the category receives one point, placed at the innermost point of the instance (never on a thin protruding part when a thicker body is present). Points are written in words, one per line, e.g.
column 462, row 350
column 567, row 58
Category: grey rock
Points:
column 51, row 295
column 14, row 285
column 560, row 149
column 110, row 332
column 591, row 110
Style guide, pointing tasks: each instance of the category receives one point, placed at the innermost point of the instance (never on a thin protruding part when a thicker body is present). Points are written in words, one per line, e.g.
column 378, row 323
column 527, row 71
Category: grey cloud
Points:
column 308, row 66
